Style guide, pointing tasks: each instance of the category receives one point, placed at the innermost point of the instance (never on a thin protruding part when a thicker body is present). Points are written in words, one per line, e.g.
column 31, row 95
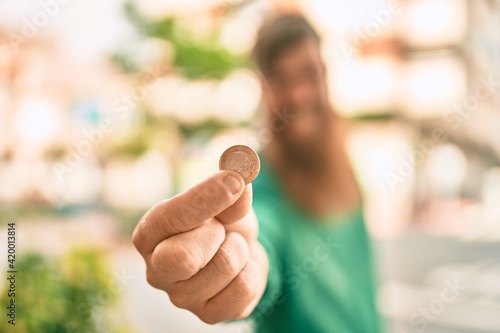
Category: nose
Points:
column 301, row 94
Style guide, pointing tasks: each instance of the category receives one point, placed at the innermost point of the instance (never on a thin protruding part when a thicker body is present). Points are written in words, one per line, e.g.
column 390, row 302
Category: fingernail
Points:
column 233, row 183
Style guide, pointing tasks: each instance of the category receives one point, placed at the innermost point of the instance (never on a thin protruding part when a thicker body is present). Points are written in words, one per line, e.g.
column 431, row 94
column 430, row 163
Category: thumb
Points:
column 238, row 209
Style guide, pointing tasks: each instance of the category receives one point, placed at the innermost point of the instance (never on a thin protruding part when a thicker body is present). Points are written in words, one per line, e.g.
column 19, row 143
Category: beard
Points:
column 306, row 150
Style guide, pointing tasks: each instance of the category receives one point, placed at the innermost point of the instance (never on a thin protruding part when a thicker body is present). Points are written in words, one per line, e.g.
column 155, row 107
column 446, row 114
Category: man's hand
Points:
column 201, row 248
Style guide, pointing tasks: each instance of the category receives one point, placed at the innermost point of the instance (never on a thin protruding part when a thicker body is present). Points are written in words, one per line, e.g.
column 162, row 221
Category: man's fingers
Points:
column 227, row 263
column 241, row 293
column 239, row 209
column 188, row 210
column 181, row 256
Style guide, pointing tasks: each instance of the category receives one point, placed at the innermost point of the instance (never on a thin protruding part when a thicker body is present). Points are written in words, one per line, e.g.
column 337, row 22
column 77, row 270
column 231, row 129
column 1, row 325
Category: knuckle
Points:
column 245, row 286
column 164, row 217
column 230, row 257
column 179, row 299
column 136, row 239
column 152, row 278
column 224, row 262
column 175, row 215
column 214, row 187
column 161, row 217
column 185, row 259
column 139, row 231
column 200, row 200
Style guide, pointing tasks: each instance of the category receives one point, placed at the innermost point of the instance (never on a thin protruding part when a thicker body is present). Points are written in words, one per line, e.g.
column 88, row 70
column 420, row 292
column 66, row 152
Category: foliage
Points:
column 69, row 294
column 194, row 58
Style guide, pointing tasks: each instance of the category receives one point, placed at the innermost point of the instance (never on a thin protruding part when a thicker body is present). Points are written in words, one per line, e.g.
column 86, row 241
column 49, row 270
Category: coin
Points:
column 241, row 159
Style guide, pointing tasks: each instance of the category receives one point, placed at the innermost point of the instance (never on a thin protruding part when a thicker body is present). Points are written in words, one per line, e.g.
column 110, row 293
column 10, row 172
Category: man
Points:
column 293, row 253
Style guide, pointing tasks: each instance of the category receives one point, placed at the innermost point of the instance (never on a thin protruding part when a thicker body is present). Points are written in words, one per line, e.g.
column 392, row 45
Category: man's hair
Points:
column 277, row 35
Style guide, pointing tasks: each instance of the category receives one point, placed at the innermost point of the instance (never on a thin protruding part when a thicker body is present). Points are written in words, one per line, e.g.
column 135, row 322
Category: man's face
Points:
column 296, row 86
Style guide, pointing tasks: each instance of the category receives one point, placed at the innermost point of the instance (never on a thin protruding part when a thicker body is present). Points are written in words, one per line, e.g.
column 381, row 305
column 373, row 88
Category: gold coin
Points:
column 241, row 159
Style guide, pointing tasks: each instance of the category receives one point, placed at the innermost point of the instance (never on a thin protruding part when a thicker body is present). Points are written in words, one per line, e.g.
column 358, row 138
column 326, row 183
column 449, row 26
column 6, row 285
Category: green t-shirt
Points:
column 320, row 274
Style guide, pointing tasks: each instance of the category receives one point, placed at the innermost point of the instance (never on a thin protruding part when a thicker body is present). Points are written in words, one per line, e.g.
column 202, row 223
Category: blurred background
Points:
column 108, row 107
